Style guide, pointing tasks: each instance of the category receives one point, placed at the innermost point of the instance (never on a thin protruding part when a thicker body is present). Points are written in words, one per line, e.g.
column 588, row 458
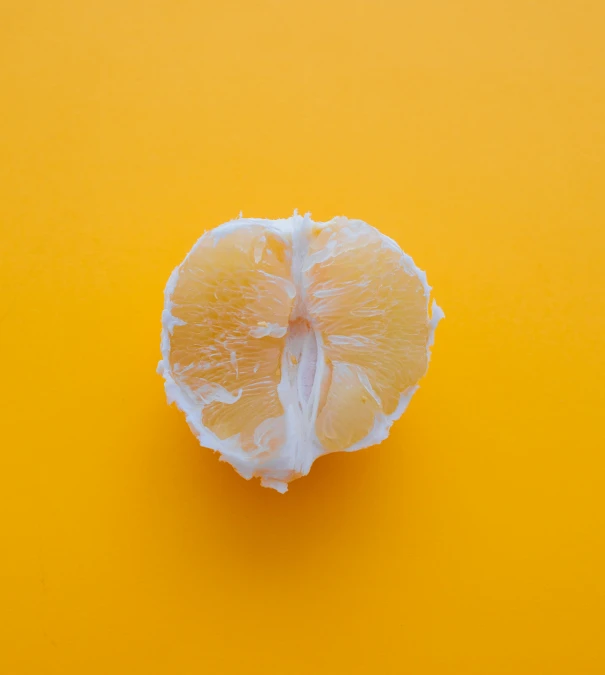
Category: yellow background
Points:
column 472, row 541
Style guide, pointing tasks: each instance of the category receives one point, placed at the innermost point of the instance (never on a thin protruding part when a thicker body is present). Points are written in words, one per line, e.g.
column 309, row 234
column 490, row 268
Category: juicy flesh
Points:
column 373, row 316
column 233, row 300
column 303, row 335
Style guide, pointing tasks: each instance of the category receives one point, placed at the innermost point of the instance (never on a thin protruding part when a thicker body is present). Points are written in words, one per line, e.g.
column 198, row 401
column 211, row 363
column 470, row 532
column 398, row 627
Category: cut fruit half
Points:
column 284, row 340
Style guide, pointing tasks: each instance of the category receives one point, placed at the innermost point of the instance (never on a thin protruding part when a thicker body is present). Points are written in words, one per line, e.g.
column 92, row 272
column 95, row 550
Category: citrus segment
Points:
column 231, row 306
column 371, row 306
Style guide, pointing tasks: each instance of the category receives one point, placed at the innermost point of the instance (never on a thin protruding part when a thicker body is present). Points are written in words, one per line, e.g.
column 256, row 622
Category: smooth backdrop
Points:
column 473, row 132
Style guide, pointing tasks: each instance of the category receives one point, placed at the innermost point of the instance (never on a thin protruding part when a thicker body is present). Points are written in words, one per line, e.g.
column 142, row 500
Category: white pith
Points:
column 301, row 372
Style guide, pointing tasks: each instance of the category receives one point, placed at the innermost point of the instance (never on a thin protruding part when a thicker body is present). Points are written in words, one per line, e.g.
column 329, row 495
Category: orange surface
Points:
column 471, row 542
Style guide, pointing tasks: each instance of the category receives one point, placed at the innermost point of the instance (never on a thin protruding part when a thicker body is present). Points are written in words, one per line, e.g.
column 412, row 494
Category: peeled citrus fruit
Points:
column 284, row 340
